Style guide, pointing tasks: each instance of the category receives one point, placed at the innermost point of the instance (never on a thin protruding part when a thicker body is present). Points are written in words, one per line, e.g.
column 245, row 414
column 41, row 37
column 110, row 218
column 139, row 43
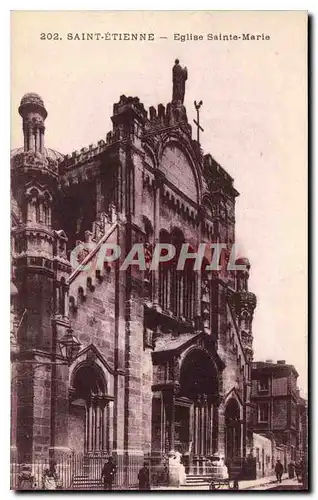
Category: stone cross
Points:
column 197, row 121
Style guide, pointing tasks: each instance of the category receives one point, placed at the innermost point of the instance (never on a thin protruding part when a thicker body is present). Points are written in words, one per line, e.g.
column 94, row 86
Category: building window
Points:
column 263, row 385
column 263, row 412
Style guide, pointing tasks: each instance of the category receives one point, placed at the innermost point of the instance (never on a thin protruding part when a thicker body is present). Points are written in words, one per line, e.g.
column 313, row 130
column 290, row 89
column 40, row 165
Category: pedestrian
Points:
column 298, row 471
column 108, row 474
column 50, row 479
column 144, row 478
column 279, row 469
column 26, row 480
column 291, row 470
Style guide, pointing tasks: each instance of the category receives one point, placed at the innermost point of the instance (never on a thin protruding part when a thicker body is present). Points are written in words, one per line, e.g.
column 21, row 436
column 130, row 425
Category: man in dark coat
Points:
column 108, row 473
column 298, row 471
column 279, row 469
column 144, row 478
column 291, row 470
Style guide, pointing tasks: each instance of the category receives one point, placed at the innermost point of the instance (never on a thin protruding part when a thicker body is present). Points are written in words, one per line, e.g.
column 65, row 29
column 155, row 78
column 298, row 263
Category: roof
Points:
column 170, row 342
column 263, row 366
column 32, row 98
column 53, row 154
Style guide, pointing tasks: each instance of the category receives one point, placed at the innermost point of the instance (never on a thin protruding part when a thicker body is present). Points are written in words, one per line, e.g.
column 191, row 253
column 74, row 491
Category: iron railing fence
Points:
column 77, row 471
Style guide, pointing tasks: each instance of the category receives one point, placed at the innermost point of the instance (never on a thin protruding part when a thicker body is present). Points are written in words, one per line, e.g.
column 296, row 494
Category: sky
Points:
column 254, row 116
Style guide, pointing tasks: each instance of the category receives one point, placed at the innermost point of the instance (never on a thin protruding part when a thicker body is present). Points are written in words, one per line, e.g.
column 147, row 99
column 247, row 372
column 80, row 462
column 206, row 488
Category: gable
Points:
column 178, row 171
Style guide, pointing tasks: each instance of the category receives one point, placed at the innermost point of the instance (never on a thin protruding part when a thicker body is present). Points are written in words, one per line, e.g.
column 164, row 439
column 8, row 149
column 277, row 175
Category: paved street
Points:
column 286, row 485
column 260, row 484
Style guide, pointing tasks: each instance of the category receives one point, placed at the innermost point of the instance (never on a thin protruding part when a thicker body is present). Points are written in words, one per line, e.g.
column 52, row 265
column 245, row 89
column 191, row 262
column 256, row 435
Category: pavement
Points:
column 268, row 483
column 259, row 484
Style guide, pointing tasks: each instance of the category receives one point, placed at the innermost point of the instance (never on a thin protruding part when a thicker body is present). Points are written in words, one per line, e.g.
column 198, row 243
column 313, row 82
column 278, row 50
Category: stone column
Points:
column 157, row 188
column 211, row 428
column 41, row 148
column 101, row 425
column 25, row 137
column 197, row 429
column 94, row 426
column 194, row 433
column 202, row 408
column 91, row 427
column 221, row 431
column 172, row 421
column 14, row 405
column 29, row 134
column 206, row 426
column 32, row 139
column 97, row 426
column 37, row 140
column 86, row 428
column 181, row 289
column 108, row 419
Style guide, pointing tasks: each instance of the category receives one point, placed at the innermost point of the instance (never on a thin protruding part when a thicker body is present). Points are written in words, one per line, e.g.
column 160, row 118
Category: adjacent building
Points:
column 276, row 406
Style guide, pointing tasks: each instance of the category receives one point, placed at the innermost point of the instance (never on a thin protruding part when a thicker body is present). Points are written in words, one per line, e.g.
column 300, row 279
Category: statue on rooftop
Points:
column 179, row 77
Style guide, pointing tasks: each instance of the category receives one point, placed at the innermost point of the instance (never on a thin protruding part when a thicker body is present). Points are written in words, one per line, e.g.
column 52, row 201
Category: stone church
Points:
column 163, row 357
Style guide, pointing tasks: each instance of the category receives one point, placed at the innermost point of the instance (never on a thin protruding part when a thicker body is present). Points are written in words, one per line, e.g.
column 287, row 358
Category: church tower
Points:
column 40, row 269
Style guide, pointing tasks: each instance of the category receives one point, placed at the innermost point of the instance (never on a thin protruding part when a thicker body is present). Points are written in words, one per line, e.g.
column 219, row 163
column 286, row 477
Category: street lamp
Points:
column 69, row 346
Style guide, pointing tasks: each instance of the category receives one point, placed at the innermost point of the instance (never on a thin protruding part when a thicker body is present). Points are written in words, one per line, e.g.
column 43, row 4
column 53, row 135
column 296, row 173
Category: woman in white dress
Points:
column 182, row 473
column 177, row 475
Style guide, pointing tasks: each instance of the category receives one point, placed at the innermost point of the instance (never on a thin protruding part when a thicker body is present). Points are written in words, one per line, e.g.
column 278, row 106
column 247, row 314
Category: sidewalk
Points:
column 254, row 484
column 261, row 482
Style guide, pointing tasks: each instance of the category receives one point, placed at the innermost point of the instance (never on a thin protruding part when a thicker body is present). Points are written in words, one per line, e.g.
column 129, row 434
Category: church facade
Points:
column 165, row 355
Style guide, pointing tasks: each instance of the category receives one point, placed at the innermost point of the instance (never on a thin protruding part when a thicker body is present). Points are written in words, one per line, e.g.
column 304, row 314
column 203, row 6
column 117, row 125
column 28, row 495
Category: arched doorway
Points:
column 199, row 385
column 89, row 416
column 232, row 430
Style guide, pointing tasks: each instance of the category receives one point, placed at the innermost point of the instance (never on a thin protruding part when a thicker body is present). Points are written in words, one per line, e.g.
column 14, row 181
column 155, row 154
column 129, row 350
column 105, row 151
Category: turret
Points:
column 33, row 113
column 41, row 271
column 245, row 305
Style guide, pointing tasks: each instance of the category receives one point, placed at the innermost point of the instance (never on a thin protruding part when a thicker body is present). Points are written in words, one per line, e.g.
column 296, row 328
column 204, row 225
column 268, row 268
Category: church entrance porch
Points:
column 185, row 411
column 199, row 383
column 89, row 420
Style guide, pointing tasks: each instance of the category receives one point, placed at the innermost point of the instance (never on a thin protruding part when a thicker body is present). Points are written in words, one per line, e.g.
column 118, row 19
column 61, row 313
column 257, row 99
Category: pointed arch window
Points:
column 164, row 275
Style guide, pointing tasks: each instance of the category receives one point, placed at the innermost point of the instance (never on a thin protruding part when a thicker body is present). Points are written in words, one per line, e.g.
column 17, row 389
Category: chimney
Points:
column 268, row 361
column 281, row 362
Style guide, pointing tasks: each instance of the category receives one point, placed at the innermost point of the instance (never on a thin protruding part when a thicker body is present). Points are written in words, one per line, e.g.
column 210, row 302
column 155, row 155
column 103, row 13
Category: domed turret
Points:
column 33, row 113
column 51, row 154
column 32, row 101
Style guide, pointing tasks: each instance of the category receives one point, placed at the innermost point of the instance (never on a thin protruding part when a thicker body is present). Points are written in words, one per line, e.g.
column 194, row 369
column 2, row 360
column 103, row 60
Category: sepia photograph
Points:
column 158, row 309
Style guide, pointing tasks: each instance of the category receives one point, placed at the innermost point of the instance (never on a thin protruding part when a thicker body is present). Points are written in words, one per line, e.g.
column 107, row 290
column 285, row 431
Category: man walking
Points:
column 144, row 478
column 108, row 474
column 279, row 469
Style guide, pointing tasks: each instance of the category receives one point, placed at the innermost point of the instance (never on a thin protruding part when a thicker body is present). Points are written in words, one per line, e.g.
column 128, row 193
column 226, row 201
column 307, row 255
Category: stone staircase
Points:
column 86, row 483
column 196, row 480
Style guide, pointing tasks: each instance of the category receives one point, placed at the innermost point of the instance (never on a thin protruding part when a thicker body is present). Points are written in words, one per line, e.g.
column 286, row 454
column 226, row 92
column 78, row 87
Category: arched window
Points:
column 177, row 287
column 164, row 275
column 62, row 291
column 148, row 275
column 177, row 277
column 37, row 211
column 189, row 289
